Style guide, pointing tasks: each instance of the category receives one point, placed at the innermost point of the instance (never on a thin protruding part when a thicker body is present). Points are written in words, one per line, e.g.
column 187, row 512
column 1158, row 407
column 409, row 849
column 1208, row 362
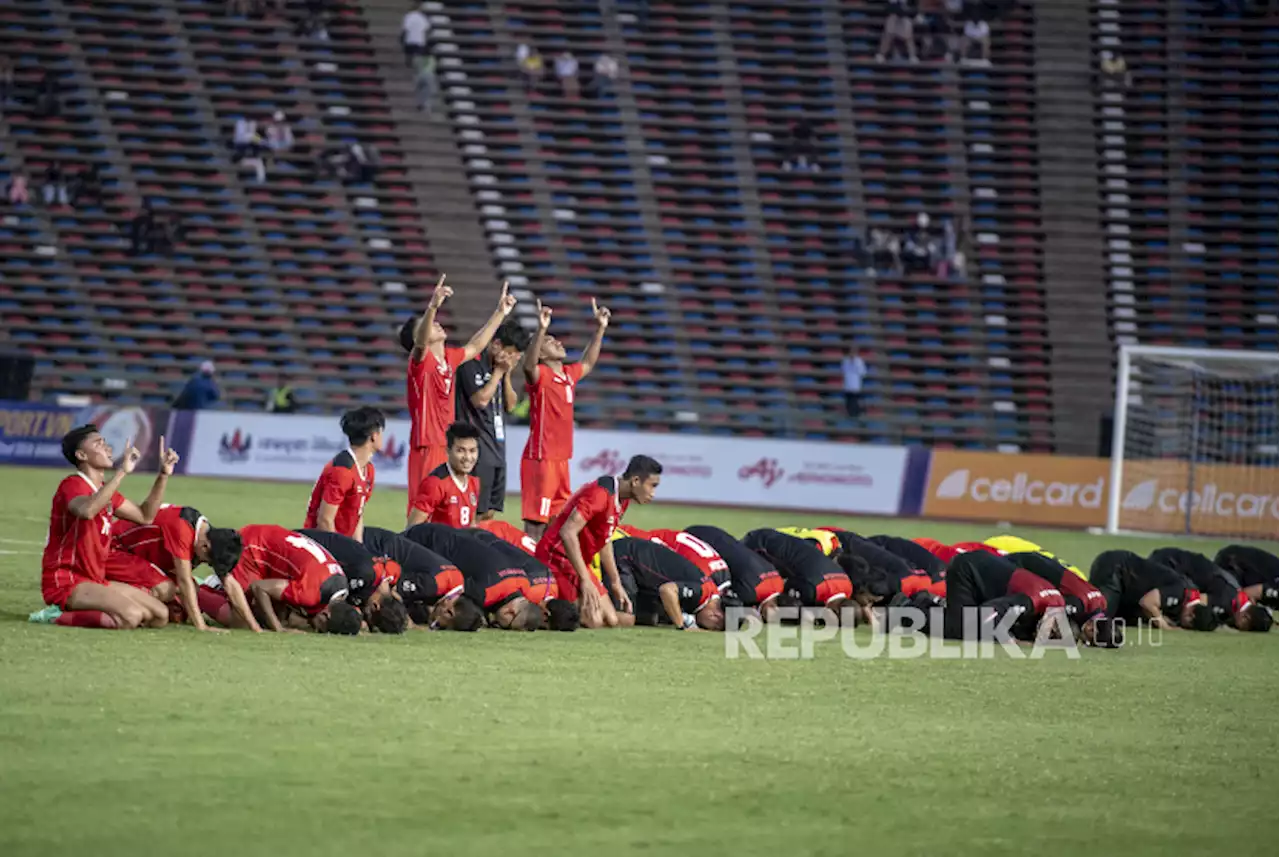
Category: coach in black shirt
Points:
column 485, row 394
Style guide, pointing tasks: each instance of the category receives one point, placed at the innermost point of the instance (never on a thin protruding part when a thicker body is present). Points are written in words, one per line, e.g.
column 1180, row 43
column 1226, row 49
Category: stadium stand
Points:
column 736, row 282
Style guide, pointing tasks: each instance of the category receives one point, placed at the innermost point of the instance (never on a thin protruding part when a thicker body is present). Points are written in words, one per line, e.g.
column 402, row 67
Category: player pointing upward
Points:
column 544, row 469
column 432, row 366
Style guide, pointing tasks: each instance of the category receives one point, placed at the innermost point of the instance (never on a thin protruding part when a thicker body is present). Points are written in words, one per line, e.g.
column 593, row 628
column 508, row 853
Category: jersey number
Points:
column 568, row 395
column 310, row 547
column 464, row 516
column 704, row 550
column 544, row 507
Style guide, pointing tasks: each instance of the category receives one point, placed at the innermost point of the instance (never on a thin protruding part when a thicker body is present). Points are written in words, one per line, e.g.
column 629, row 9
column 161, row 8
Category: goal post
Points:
column 1195, row 443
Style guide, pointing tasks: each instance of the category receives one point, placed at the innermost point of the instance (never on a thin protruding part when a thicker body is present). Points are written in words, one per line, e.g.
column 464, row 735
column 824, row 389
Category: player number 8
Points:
column 464, row 516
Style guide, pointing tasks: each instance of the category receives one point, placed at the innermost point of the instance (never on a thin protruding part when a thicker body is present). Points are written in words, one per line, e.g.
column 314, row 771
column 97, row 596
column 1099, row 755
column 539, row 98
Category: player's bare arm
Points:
column 669, row 593
column 89, row 507
column 358, row 535
column 326, row 515
column 592, row 355
column 479, row 342
column 1149, row 604
column 439, row 295
column 590, row 605
column 146, row 513
column 510, row 398
column 240, row 604
column 531, row 356
column 265, row 594
column 187, row 593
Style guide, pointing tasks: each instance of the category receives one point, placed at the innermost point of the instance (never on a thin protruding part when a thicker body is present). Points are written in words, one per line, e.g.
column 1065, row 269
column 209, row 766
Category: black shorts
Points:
column 492, row 473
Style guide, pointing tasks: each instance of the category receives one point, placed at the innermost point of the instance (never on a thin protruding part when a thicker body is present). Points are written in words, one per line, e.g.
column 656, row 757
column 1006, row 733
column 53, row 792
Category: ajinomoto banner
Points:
column 1217, row 499
column 1023, row 489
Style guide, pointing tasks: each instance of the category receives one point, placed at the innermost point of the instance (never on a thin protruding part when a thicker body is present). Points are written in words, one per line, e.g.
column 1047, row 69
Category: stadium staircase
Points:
column 734, row 283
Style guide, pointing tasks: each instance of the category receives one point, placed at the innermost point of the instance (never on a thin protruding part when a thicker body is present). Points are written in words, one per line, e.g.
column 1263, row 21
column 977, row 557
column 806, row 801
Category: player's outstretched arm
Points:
column 590, row 599
column 240, row 604
column 479, row 342
column 155, row 497
column 265, row 593
column 592, row 355
column 187, row 593
column 533, row 353
column 669, row 593
column 438, row 297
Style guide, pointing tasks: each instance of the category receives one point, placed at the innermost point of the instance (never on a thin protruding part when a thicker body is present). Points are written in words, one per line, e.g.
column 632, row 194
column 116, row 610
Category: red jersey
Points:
column 694, row 549
column 946, row 553
column 430, row 391
column 445, row 501
column 551, row 413
column 76, row 546
column 172, row 535
column 274, row 553
column 509, row 534
column 966, row 547
column 341, row 485
column 599, row 505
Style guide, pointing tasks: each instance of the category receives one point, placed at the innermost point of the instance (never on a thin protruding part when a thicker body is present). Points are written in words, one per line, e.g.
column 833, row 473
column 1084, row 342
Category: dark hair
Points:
column 460, row 431
column 406, row 334
column 225, row 548
column 71, row 441
column 343, row 619
column 419, row 612
column 642, row 467
column 466, row 615
column 512, row 335
column 562, row 615
column 390, row 617
column 359, row 424
column 1203, row 619
column 1260, row 618
column 527, row 618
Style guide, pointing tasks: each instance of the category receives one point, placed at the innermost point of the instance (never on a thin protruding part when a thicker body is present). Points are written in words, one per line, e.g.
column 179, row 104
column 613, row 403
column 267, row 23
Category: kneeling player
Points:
column 449, row 494
column 1257, row 570
column 913, row 554
column 664, row 585
column 73, row 567
column 491, row 581
column 557, row 614
column 280, row 566
column 1085, row 604
column 812, row 579
column 582, row 529
column 1137, row 589
column 1224, row 595
column 689, row 546
column 753, row 581
column 995, row 586
column 409, row 575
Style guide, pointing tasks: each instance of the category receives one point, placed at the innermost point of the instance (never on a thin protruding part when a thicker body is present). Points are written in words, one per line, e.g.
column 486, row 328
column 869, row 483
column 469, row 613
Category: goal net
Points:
column 1195, row 443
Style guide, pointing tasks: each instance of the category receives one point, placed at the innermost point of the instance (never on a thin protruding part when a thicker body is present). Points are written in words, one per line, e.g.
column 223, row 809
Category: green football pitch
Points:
column 644, row 741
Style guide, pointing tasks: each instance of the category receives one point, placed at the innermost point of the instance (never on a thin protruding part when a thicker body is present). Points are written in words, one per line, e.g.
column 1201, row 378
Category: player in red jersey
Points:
column 73, row 568
column 449, row 494
column 277, row 565
column 582, row 529
column 432, row 366
column 159, row 557
column 510, row 534
column 544, row 468
column 346, row 483
column 695, row 550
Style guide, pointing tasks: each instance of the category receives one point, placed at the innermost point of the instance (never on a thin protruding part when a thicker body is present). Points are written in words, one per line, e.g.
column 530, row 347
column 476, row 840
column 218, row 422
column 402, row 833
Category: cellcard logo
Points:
column 1207, row 500
column 1020, row 489
column 1030, row 489
column 904, row 633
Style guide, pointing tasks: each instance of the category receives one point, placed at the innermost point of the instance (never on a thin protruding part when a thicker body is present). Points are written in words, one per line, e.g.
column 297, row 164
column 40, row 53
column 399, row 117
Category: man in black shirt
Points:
column 812, row 578
column 495, row 584
column 1257, row 570
column 1138, row 589
column 976, row 579
column 663, row 585
column 1226, row 598
column 484, row 395
column 752, row 580
column 557, row 614
column 916, row 556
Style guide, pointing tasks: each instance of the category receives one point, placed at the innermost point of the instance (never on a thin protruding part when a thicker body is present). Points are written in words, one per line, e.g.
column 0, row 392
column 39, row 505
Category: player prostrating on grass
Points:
column 450, row 493
column 346, row 483
column 582, row 529
column 544, row 468
column 73, row 568
column 431, row 370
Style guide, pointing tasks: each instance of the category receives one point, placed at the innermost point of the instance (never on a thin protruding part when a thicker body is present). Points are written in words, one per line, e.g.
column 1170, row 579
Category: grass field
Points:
column 645, row 741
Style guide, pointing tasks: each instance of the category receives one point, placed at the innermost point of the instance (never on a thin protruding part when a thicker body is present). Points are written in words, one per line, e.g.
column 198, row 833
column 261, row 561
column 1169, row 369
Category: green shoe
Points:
column 47, row 616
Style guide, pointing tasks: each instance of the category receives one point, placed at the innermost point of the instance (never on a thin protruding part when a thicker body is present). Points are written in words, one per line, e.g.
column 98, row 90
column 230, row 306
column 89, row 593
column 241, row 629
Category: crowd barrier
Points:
column 721, row 471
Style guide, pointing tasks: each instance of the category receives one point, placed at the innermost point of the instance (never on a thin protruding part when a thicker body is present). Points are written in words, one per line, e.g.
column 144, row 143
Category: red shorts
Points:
column 57, row 586
column 833, row 587
column 544, row 488
column 423, row 460
column 769, row 587
column 124, row 567
column 567, row 582
column 1042, row 593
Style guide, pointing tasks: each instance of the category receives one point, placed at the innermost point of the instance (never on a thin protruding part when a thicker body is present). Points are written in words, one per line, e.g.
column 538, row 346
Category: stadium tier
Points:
column 741, row 199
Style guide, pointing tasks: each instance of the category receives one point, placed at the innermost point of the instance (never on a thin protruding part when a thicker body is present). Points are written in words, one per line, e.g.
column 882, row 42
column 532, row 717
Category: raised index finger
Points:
column 162, row 446
column 594, row 309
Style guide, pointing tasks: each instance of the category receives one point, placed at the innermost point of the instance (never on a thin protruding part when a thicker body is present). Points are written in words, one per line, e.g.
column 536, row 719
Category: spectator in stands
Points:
column 17, row 192
column 920, row 251
column 246, row 148
column 801, row 152
column 48, row 103
column 166, row 231
column 899, row 29
column 313, row 26
column 200, row 391
column 279, row 134
column 531, row 65
column 604, row 75
column 977, row 31
column 88, row 184
column 55, row 185
column 1114, row 71
column 882, row 250
column 426, row 84
column 567, row 73
column 281, row 399
column 140, row 229
column 854, row 370
column 413, row 34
